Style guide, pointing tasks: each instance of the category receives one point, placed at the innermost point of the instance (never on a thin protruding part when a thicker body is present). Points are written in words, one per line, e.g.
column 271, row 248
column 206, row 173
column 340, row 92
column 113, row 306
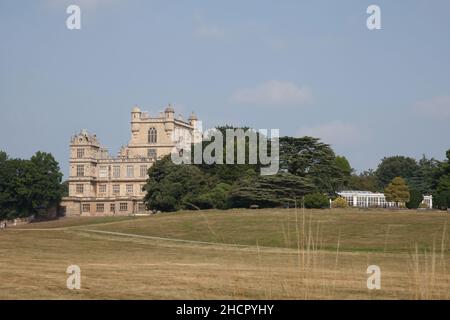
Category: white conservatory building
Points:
column 367, row 199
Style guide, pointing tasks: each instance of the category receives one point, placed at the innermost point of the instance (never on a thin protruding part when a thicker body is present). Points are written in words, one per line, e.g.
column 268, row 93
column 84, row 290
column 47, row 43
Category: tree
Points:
column 365, row 181
column 229, row 173
column 65, row 188
column 426, row 178
column 9, row 187
column 316, row 200
column 415, row 200
column 29, row 187
column 442, row 199
column 46, row 189
column 346, row 171
column 397, row 166
column 4, row 185
column 3, row 156
column 309, row 158
column 217, row 198
column 172, row 187
column 397, row 191
column 283, row 189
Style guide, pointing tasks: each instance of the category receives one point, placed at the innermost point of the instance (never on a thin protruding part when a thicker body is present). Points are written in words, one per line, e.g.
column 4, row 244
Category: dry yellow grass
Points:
column 237, row 254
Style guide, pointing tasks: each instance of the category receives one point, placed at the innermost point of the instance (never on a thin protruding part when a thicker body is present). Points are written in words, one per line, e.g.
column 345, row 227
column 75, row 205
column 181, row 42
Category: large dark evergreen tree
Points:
column 231, row 172
column 346, row 171
column 426, row 177
column 307, row 157
column 397, row 166
column 442, row 199
column 365, row 181
column 269, row 191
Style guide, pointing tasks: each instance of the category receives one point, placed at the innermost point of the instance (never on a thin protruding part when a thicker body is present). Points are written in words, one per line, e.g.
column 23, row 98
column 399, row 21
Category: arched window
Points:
column 152, row 135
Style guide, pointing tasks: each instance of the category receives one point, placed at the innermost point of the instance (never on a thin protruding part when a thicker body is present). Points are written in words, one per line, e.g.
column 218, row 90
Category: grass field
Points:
column 235, row 254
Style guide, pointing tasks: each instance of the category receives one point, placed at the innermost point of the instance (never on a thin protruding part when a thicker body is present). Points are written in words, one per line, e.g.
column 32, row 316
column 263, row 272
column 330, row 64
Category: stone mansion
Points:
column 100, row 184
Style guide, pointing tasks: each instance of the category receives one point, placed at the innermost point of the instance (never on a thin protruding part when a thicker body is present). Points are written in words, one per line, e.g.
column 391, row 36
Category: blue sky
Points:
column 305, row 67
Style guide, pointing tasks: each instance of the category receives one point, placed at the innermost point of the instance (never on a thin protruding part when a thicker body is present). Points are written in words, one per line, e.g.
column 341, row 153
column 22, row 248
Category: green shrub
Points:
column 442, row 200
column 339, row 203
column 423, row 206
column 316, row 201
column 415, row 199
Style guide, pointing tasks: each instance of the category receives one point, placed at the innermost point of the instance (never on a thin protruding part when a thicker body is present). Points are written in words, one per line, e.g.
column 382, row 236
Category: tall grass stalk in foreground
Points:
column 429, row 277
column 312, row 273
column 317, row 278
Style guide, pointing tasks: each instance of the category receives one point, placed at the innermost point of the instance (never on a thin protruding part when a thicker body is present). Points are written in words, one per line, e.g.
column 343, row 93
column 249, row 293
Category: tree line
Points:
column 310, row 173
column 422, row 177
column 29, row 186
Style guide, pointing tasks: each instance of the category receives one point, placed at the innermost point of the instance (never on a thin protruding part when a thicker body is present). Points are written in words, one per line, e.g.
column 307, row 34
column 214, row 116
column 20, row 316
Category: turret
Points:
column 193, row 120
column 135, row 119
column 169, row 117
column 135, row 113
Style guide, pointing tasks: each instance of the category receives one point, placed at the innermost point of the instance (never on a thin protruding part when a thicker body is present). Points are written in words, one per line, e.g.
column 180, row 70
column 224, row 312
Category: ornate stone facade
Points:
column 100, row 184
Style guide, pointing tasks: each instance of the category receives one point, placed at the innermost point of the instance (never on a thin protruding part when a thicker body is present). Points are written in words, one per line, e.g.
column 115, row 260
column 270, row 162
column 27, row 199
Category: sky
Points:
column 303, row 67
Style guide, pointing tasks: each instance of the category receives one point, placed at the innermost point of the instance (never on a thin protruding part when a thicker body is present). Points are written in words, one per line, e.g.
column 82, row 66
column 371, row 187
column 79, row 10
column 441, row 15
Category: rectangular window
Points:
column 100, row 207
column 116, row 171
column 141, row 207
column 152, row 135
column 80, row 170
column 79, row 188
column 112, row 207
column 123, row 206
column 102, row 188
column 86, row 207
column 116, row 188
column 80, row 153
column 143, row 171
column 151, row 153
column 103, row 172
column 129, row 188
column 130, row 171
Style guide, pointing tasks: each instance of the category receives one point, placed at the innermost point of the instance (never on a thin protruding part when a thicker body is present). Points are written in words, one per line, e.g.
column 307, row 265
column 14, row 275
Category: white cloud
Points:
column 335, row 133
column 435, row 107
column 273, row 92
